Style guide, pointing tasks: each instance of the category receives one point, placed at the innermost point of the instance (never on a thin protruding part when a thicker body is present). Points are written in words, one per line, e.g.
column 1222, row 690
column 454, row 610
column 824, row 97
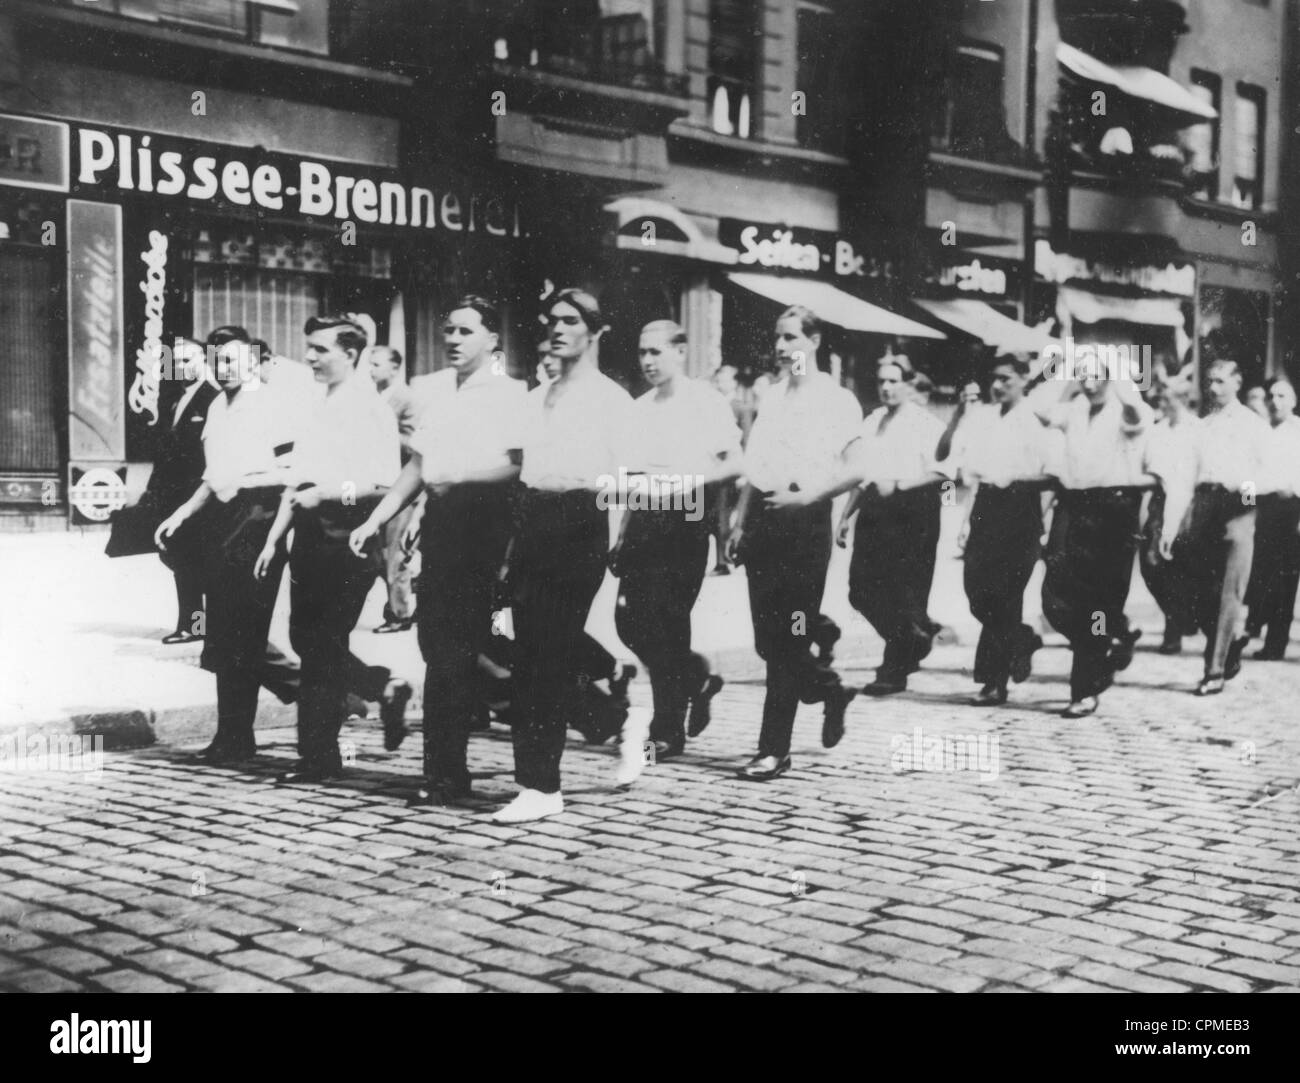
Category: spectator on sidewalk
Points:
column 388, row 372
column 1276, row 570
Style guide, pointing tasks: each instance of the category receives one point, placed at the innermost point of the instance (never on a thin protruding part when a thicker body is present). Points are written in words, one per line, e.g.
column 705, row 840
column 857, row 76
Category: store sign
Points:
column 96, row 365
column 33, row 153
column 975, row 278
column 143, row 395
column 220, row 177
column 1061, row 267
column 95, row 492
column 784, row 248
column 960, row 274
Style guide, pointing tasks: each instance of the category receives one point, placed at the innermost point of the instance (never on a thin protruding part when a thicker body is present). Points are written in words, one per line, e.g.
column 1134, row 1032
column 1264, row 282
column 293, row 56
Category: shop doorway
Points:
column 29, row 434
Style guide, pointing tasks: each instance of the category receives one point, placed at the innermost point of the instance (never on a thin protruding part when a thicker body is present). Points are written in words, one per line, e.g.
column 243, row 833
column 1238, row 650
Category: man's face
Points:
column 383, row 368
column 725, row 379
column 1008, row 385
column 329, row 362
column 891, row 386
column 970, row 394
column 793, row 346
column 570, row 335
column 468, row 342
column 1093, row 376
column 660, row 359
column 1222, row 385
column 1257, row 400
column 1281, row 402
column 237, row 364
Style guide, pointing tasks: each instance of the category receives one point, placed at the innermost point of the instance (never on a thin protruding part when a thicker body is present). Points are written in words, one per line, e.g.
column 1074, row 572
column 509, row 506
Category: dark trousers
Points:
column 463, row 540
column 786, row 554
column 892, row 570
column 1089, row 569
column 327, row 590
column 1005, row 527
column 189, row 596
column 239, row 607
column 561, row 554
column 1275, row 572
column 1221, row 543
column 1169, row 581
column 662, row 564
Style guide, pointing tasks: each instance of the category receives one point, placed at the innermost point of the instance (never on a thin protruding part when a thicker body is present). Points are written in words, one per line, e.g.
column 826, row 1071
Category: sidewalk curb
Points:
column 127, row 729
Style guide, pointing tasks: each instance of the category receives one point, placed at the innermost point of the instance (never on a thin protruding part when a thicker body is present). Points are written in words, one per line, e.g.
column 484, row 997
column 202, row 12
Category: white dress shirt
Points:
column 1232, row 448
column 1172, row 453
column 1282, row 459
column 799, row 435
column 900, row 447
column 574, row 432
column 239, row 441
column 468, row 428
column 684, row 434
column 1101, row 450
column 999, row 448
column 350, row 438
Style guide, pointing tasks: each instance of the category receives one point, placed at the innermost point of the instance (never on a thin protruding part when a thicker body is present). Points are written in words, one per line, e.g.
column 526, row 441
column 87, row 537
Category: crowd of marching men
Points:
column 336, row 469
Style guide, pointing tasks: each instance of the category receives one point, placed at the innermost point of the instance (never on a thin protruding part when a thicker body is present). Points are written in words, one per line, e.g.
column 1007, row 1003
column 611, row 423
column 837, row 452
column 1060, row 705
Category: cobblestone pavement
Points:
column 1152, row 847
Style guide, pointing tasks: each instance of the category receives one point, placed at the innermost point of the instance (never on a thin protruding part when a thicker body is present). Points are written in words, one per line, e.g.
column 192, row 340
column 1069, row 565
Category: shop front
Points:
column 129, row 238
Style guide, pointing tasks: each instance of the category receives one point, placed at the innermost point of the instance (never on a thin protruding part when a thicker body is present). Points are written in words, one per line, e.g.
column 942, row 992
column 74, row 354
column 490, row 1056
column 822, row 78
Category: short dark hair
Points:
column 1017, row 362
column 923, row 382
column 808, row 319
column 227, row 333
column 671, row 328
column 903, row 363
column 348, row 335
column 488, row 313
column 393, row 354
column 587, row 305
column 1232, row 366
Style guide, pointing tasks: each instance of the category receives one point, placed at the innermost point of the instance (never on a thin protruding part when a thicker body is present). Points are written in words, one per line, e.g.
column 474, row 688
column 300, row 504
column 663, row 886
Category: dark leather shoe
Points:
column 1209, row 686
column 390, row 626
column 1121, row 652
column 440, row 794
column 991, row 695
column 667, row 750
column 172, row 638
column 305, row 776
column 701, row 712
column 1232, row 663
column 884, row 688
column 1022, row 664
column 765, row 768
column 833, row 721
column 1171, row 645
column 1268, row 654
column 392, row 712
column 220, row 754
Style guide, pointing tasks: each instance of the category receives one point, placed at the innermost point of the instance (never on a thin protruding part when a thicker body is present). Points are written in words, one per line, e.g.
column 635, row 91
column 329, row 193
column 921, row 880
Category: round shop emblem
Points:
column 98, row 493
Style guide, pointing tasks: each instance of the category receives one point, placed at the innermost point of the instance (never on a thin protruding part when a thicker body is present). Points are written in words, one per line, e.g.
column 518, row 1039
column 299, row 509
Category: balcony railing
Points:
column 614, row 50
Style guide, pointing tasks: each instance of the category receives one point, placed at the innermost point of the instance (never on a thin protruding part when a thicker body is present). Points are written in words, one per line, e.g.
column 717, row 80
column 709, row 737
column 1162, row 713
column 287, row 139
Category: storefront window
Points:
column 28, row 423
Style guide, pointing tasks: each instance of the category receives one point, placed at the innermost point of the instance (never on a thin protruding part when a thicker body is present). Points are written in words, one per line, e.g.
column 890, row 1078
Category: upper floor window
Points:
column 733, row 67
column 971, row 118
column 1201, row 141
column 819, row 120
column 248, row 19
column 1248, row 155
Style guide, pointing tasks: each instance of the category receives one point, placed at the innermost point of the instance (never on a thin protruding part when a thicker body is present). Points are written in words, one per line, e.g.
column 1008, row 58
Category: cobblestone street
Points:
column 1151, row 848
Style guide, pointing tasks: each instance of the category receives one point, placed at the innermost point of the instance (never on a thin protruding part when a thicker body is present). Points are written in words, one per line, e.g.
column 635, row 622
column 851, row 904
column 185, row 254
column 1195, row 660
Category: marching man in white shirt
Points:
column 782, row 535
column 348, row 455
column 466, row 454
column 1102, row 474
column 1275, row 572
column 1232, row 446
column 684, row 436
column 1005, row 458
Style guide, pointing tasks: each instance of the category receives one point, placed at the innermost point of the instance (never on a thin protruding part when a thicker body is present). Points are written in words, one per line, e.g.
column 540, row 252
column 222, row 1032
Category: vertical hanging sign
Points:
column 96, row 356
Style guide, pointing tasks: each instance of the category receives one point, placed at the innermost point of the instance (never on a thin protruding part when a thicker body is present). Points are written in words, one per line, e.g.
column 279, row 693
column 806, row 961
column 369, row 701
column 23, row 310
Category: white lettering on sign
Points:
column 974, row 277
column 780, row 251
column 322, row 191
column 148, row 359
column 99, row 322
column 1061, row 267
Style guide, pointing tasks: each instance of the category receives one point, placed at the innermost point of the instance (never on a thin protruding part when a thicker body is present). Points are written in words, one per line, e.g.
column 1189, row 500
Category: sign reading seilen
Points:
column 232, row 177
column 786, row 248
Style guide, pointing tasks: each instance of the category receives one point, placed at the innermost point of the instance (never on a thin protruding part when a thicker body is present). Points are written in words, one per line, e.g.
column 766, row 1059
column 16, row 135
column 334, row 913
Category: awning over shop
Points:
column 988, row 325
column 1135, row 81
column 833, row 305
column 690, row 241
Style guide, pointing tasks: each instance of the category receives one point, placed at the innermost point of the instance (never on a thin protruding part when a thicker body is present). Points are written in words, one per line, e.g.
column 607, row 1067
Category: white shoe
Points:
column 530, row 805
column 632, row 755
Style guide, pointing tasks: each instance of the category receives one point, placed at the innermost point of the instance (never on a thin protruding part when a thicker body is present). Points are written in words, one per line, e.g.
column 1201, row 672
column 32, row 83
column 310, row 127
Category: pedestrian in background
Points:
column 389, row 374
